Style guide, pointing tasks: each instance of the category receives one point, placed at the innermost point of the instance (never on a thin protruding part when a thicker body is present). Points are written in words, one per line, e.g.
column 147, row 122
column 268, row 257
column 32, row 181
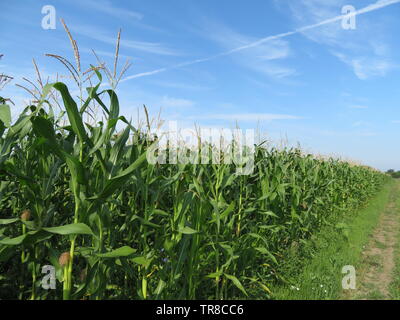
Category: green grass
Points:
column 332, row 248
column 394, row 288
column 374, row 295
column 380, row 245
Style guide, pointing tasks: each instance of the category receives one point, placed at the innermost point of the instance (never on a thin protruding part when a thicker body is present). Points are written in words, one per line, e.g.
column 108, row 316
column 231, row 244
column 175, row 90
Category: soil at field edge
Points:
column 378, row 259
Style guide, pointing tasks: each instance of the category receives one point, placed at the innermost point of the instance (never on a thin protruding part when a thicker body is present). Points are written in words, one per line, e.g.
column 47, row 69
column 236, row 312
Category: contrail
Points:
column 372, row 7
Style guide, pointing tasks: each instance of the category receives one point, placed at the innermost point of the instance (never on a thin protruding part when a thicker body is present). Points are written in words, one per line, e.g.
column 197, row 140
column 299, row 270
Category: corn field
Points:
column 82, row 197
column 84, row 200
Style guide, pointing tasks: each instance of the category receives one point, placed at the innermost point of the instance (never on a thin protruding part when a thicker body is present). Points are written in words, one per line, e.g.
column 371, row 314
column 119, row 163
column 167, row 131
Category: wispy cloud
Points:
column 265, row 58
column 370, row 8
column 250, row 117
column 367, row 67
column 100, row 35
column 358, row 106
column 349, row 134
column 367, row 56
column 170, row 102
column 180, row 85
column 112, row 9
column 105, row 53
column 109, row 8
column 361, row 123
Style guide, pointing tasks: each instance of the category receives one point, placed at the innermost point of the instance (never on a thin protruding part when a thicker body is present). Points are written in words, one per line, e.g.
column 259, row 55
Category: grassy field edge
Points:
column 395, row 284
column 315, row 270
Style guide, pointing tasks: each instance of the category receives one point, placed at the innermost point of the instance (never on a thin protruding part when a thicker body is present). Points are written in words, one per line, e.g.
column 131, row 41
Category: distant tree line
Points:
column 394, row 174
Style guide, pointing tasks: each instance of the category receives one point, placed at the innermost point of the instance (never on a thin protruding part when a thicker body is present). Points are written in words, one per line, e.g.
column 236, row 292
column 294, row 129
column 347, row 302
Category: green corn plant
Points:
column 117, row 227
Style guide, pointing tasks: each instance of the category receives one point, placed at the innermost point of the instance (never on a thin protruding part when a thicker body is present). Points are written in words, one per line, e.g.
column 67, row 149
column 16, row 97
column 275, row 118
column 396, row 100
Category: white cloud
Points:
column 335, row 18
column 102, row 53
column 170, row 102
column 361, row 123
column 179, row 85
column 313, row 11
column 380, row 49
column 108, row 7
column 358, row 106
column 250, row 117
column 367, row 67
column 100, row 35
column 265, row 58
column 368, row 56
column 349, row 134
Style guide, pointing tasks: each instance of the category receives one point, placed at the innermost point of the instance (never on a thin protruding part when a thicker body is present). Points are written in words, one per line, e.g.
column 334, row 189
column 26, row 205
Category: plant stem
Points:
column 23, row 249
column 68, row 271
column 68, row 267
column 33, row 295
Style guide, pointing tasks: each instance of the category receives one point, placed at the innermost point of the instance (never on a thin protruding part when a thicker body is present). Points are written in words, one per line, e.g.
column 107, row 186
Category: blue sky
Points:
column 334, row 91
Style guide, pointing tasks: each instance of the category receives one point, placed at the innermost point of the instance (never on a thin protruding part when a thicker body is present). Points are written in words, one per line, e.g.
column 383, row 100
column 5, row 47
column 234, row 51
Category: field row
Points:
column 84, row 200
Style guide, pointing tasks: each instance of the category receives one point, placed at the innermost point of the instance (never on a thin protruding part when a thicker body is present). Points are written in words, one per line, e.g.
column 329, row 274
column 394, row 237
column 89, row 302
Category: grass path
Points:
column 368, row 239
column 376, row 273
